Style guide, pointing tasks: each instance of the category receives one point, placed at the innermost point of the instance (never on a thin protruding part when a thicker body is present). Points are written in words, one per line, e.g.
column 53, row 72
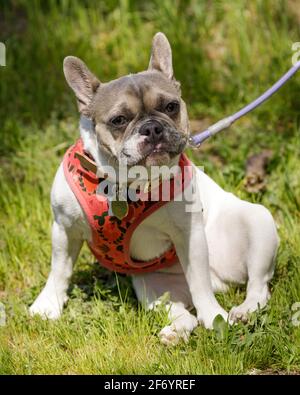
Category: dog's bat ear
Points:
column 81, row 80
column 161, row 55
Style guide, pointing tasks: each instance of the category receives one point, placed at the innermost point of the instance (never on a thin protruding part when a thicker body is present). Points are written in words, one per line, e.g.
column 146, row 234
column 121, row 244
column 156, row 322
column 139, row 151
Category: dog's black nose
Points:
column 153, row 130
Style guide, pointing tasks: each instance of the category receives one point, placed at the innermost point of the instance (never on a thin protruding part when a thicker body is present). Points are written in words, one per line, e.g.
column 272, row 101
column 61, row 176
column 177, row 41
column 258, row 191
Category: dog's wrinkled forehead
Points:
column 136, row 93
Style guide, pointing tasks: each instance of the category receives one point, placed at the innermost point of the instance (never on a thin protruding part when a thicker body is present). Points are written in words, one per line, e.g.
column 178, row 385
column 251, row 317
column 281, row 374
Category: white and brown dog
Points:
column 220, row 240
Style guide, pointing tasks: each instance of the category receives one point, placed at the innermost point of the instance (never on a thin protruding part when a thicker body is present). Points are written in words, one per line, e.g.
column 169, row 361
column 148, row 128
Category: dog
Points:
column 221, row 240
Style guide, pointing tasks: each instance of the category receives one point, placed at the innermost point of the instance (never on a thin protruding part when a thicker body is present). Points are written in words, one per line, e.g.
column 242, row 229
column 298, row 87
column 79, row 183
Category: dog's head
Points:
column 139, row 118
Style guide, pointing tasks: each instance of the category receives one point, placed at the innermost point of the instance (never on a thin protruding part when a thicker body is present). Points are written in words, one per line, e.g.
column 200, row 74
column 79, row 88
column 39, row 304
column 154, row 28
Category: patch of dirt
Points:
column 255, row 179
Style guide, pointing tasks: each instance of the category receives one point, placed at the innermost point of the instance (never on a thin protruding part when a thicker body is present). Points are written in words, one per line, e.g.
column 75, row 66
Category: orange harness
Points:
column 111, row 236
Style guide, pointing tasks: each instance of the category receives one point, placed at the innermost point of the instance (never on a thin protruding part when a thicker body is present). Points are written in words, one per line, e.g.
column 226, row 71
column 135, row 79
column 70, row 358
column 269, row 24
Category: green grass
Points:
column 225, row 54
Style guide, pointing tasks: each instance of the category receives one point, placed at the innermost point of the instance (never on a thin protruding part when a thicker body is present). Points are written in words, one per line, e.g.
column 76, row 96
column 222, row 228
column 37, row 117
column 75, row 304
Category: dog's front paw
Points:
column 179, row 330
column 47, row 306
column 169, row 336
column 237, row 314
column 243, row 311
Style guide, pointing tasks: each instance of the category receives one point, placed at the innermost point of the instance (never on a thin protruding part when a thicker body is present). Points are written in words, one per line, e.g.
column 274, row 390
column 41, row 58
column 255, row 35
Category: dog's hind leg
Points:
column 150, row 289
column 260, row 266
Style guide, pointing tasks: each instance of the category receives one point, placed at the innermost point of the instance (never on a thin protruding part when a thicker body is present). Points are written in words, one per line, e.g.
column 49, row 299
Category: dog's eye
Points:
column 120, row 120
column 172, row 107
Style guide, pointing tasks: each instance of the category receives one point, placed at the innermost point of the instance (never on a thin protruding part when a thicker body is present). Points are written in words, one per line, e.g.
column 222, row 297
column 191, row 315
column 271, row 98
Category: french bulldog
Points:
column 220, row 240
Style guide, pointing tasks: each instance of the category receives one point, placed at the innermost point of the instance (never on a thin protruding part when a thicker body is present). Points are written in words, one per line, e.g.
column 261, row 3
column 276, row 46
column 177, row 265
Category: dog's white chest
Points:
column 149, row 240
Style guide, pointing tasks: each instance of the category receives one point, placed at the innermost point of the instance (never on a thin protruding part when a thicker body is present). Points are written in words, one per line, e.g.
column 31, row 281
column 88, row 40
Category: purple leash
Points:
column 197, row 140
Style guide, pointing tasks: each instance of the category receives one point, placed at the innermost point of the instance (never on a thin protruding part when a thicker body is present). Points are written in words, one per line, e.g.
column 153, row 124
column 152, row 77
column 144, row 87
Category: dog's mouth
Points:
column 150, row 155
